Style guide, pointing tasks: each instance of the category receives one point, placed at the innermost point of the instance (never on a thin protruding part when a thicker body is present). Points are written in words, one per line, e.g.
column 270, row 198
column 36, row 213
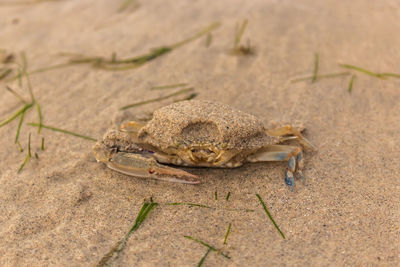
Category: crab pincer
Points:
column 147, row 167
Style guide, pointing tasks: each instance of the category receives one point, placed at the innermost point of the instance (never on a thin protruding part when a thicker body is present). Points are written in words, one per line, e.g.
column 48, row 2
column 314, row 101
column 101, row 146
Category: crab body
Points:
column 199, row 134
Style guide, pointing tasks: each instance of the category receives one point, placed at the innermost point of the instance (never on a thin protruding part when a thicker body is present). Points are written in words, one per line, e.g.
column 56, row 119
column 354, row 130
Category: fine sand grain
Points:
column 65, row 209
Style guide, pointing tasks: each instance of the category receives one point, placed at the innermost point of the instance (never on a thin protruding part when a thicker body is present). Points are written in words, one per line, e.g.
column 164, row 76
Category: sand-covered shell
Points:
column 195, row 122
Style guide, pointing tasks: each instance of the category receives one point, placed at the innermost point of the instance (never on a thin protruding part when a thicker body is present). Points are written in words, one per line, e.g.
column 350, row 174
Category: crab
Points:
column 197, row 133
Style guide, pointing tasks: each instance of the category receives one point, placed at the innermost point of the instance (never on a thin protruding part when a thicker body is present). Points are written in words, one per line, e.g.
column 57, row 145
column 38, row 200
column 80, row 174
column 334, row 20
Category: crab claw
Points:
column 147, row 167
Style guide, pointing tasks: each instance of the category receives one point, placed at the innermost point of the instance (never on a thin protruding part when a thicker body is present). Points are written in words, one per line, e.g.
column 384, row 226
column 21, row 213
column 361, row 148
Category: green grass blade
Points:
column 316, row 63
column 353, row 77
column 84, row 59
column 169, row 86
column 16, row 95
column 53, row 67
column 239, row 34
column 4, row 73
column 207, row 245
column 201, row 242
column 188, row 204
column 227, row 233
column 39, row 110
column 208, row 39
column 134, row 62
column 269, row 215
column 20, row 147
column 44, row 69
column 228, row 196
column 42, row 146
column 25, row 73
column 387, row 74
column 329, row 75
column 146, row 208
column 113, row 254
column 19, row 126
column 155, row 53
column 28, row 156
column 19, row 112
column 216, row 195
column 365, row 71
column 29, row 145
column 158, row 99
column 204, row 206
column 204, row 31
column 189, row 97
column 203, row 258
column 128, row 66
column 62, row 131
column 23, row 164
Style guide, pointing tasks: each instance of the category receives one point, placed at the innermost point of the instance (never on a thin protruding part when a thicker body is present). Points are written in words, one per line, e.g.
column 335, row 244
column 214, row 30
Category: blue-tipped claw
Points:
column 289, row 179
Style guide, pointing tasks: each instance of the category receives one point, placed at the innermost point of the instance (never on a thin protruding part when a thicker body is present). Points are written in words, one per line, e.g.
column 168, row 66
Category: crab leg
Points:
column 147, row 167
column 293, row 155
column 290, row 130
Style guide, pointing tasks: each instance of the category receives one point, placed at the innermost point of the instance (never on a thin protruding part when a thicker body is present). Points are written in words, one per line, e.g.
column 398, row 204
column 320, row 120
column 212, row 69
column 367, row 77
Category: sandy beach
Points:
column 65, row 209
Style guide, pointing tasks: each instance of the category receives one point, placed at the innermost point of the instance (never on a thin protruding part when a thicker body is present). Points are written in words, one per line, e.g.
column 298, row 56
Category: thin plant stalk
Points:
column 39, row 110
column 329, row 75
column 353, row 77
column 169, row 86
column 21, row 149
column 188, row 204
column 182, row 91
column 16, row 95
column 316, row 63
column 5, row 73
column 388, row 74
column 19, row 112
column 113, row 254
column 207, row 245
column 365, row 71
column 227, row 233
column 19, row 126
column 204, row 31
column 157, row 52
column 270, row 216
column 189, row 97
column 42, row 146
column 28, row 156
column 25, row 73
column 203, row 258
column 62, row 131
column 134, row 62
